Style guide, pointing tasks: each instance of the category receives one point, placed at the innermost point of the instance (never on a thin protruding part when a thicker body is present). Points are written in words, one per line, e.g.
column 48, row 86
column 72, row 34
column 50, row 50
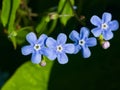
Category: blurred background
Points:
column 99, row 72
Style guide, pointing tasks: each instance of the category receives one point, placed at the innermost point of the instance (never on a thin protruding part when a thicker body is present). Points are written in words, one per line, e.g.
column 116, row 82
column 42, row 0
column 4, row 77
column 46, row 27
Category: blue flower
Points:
column 58, row 48
column 36, row 47
column 82, row 42
column 104, row 26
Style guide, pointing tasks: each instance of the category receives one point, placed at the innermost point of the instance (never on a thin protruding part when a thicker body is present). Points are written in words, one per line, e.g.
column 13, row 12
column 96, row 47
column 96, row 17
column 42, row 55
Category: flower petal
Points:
column 113, row 25
column 86, row 52
column 107, row 34
column 74, row 36
column 42, row 39
column 26, row 50
column 106, row 17
column 96, row 32
column 77, row 49
column 31, row 38
column 95, row 20
column 69, row 48
column 51, row 54
column 62, row 38
column 62, row 58
column 84, row 32
column 90, row 42
column 51, row 43
column 36, row 58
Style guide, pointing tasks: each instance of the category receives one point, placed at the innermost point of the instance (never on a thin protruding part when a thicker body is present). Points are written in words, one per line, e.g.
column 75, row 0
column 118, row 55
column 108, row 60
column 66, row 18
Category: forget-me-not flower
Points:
column 82, row 42
column 36, row 47
column 104, row 26
column 58, row 48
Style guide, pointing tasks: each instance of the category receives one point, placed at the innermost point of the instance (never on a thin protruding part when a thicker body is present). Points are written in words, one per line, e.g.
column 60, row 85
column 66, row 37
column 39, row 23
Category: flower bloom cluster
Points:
column 104, row 28
column 52, row 49
column 49, row 47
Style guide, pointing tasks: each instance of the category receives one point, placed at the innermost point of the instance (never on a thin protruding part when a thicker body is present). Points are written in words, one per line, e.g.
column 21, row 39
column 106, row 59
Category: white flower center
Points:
column 37, row 47
column 81, row 42
column 59, row 48
column 104, row 26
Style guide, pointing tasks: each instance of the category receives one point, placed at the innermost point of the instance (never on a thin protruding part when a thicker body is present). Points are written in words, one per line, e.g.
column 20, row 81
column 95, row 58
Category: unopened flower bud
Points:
column 82, row 17
column 43, row 63
column 106, row 44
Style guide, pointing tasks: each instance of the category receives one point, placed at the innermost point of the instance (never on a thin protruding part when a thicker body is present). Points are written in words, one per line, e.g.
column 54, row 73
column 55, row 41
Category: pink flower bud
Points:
column 106, row 44
column 43, row 63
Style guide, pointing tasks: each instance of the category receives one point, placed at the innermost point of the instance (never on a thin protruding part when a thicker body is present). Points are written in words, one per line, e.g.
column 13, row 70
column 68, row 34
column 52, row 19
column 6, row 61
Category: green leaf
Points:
column 30, row 77
column 15, row 5
column 61, row 5
column 21, row 34
column 52, row 26
column 46, row 25
column 11, row 28
column 42, row 26
column 6, row 5
column 13, row 39
column 65, row 9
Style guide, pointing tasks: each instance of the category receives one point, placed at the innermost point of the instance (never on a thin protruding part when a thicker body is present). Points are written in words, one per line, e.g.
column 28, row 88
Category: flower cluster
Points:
column 52, row 49
column 49, row 47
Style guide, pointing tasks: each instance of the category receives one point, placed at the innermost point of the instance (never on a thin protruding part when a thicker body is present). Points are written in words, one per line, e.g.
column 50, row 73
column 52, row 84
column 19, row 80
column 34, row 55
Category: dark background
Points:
column 99, row 72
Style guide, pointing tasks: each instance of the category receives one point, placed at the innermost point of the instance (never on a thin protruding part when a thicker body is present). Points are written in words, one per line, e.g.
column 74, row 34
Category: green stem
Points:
column 53, row 26
column 75, row 14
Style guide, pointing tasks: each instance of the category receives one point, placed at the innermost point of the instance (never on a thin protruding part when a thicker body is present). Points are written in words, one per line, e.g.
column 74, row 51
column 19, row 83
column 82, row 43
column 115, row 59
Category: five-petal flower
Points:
column 58, row 48
column 36, row 47
column 82, row 42
column 104, row 26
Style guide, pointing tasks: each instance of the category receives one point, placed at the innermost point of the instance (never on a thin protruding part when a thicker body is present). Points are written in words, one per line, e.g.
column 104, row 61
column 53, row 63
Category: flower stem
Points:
column 75, row 14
